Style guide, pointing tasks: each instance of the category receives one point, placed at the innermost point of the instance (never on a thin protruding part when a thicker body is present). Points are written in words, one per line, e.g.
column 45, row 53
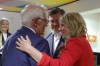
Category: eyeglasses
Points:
column 45, row 20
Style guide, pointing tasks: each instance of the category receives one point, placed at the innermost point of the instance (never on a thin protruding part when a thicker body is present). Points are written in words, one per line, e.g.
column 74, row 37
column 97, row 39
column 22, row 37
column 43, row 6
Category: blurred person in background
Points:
column 77, row 50
column 4, row 31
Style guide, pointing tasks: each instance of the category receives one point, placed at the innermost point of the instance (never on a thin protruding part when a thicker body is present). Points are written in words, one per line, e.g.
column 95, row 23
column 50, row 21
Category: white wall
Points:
column 13, row 18
column 98, row 34
column 93, row 26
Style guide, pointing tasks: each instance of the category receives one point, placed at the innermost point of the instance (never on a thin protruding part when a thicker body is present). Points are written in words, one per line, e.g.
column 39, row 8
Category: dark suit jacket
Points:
column 14, row 57
column 50, row 39
column 8, row 34
column 2, row 40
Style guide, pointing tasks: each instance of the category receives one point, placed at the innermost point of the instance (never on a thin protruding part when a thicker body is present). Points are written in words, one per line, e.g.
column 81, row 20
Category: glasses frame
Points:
column 45, row 20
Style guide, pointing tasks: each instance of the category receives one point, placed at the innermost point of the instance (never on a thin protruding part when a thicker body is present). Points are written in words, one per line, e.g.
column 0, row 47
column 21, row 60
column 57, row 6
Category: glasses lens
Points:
column 45, row 20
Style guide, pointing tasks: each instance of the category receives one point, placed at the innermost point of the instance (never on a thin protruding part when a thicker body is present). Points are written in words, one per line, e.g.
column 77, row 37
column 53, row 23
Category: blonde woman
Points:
column 77, row 50
column 4, row 31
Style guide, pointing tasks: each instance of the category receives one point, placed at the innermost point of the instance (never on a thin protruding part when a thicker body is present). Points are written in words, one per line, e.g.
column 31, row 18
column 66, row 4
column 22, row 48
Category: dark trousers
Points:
column 0, row 59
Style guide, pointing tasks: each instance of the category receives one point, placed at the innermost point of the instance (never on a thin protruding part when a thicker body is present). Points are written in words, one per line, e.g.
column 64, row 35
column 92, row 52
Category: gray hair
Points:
column 31, row 12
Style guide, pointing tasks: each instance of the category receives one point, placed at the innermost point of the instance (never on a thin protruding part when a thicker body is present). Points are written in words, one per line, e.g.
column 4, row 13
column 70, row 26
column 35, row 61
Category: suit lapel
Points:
column 50, row 41
column 60, row 44
column 3, row 41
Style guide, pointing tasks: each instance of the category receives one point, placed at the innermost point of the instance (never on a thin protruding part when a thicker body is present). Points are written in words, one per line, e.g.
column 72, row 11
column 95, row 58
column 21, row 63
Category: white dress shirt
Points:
column 5, row 36
column 57, row 37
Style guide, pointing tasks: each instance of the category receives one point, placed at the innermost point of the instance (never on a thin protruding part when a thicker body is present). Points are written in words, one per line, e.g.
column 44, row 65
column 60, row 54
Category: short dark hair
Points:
column 56, row 10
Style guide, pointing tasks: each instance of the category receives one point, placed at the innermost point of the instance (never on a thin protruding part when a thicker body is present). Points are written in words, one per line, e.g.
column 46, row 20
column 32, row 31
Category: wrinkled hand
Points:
column 23, row 44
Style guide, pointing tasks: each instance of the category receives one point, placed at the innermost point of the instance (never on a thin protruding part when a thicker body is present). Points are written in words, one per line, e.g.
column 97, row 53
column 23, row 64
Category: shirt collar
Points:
column 57, row 33
column 30, row 29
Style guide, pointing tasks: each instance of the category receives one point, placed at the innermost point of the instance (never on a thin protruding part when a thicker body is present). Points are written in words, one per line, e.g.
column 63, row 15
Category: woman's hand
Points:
column 23, row 44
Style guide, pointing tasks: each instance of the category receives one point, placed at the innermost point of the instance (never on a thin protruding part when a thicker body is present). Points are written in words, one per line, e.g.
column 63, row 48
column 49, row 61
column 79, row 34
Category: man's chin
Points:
column 55, row 30
column 42, row 34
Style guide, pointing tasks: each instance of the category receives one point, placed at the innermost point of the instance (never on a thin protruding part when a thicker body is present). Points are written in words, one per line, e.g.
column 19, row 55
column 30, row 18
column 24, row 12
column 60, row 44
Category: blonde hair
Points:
column 1, row 23
column 75, row 23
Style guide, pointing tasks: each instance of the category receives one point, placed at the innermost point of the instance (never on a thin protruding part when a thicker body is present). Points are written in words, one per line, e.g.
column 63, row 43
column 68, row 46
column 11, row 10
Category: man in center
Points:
column 54, row 38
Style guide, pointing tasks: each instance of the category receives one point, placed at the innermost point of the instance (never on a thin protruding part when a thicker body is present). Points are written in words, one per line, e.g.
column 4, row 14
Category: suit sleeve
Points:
column 12, row 56
column 42, row 46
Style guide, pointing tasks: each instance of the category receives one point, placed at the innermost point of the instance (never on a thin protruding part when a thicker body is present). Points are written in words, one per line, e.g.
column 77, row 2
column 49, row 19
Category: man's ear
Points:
column 34, row 22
